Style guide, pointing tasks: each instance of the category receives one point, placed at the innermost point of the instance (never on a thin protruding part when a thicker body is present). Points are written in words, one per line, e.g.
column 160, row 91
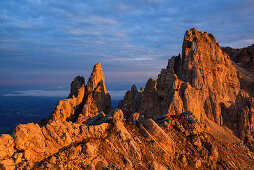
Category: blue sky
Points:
column 49, row 42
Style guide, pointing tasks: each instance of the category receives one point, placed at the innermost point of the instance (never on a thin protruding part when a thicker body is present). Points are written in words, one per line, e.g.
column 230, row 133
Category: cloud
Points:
column 123, row 7
column 59, row 93
column 79, row 32
column 154, row 3
column 39, row 93
column 117, row 94
column 99, row 20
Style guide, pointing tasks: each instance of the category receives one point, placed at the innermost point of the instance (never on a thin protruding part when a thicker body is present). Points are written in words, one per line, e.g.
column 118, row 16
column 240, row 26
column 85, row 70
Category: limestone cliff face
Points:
column 206, row 66
column 199, row 81
column 204, row 81
column 244, row 122
column 208, row 74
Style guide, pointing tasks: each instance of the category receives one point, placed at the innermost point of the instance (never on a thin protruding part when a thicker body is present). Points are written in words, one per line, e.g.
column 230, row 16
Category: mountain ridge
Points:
column 195, row 115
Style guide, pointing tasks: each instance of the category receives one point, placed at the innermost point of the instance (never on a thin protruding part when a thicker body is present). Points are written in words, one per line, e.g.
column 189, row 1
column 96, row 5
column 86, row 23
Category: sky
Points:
column 44, row 44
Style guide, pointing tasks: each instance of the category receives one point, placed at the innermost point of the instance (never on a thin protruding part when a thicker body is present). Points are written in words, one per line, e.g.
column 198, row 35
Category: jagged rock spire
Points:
column 96, row 77
column 84, row 101
column 97, row 99
column 206, row 66
column 199, row 81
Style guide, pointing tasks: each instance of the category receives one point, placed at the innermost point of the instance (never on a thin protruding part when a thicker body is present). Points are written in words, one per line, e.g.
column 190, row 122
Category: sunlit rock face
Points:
column 198, row 81
column 84, row 101
column 206, row 66
column 6, row 146
column 97, row 99
column 208, row 74
column 67, row 108
column 196, row 115
column 203, row 80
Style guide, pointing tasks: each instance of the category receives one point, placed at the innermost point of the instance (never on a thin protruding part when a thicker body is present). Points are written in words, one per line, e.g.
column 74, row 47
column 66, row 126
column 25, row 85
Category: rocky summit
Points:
column 198, row 114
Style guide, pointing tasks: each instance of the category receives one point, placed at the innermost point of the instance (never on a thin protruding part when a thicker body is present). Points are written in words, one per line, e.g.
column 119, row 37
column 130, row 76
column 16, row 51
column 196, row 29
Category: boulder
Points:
column 137, row 117
column 118, row 116
column 6, row 146
column 29, row 138
column 160, row 136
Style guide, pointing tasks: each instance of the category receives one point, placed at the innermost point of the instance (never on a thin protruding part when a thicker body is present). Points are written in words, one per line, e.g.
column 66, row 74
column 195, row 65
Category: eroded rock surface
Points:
column 204, row 81
column 199, row 81
column 6, row 146
column 67, row 108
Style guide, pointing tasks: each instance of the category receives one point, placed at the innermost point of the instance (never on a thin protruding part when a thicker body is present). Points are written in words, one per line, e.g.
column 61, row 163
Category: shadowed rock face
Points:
column 130, row 101
column 244, row 62
column 76, row 84
column 149, row 100
column 244, row 57
column 173, row 123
